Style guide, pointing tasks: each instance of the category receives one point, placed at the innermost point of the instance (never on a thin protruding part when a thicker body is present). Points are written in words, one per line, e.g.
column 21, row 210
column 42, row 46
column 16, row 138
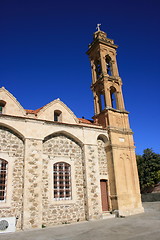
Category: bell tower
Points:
column 106, row 82
column 111, row 114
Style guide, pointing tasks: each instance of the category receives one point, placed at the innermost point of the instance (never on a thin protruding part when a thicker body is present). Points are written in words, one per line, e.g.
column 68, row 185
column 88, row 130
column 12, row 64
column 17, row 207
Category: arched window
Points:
column 62, row 181
column 3, row 179
column 2, row 104
column 98, row 68
column 108, row 65
column 113, row 97
column 102, row 102
column 57, row 116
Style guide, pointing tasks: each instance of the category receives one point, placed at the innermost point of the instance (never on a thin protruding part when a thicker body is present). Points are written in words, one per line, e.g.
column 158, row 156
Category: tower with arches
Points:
column 110, row 112
column 106, row 82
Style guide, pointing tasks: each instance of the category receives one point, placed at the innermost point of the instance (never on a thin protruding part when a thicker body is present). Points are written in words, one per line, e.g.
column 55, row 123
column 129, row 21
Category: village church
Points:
column 56, row 168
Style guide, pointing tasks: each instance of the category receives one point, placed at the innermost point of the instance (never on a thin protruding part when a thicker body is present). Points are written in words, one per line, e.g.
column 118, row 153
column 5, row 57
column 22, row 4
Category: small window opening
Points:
column 108, row 65
column 57, row 116
column 102, row 102
column 2, row 104
column 98, row 69
column 113, row 97
column 1, row 109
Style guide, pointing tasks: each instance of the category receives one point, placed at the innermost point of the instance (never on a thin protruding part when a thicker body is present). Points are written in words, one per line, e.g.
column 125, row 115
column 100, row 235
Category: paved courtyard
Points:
column 140, row 227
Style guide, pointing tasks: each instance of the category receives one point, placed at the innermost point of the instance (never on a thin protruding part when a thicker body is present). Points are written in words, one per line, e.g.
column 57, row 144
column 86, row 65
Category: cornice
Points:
column 47, row 122
column 107, row 42
column 116, row 146
column 120, row 130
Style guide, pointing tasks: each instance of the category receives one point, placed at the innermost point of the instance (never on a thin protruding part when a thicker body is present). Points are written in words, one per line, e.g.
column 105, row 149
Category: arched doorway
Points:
column 104, row 195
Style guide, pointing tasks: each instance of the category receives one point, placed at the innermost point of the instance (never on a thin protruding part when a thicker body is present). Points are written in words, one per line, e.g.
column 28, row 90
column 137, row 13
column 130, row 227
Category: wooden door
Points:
column 104, row 195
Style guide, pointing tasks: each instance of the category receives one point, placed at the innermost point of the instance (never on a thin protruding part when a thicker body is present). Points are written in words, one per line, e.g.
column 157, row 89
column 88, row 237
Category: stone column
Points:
column 93, row 68
column 120, row 99
column 107, row 95
column 96, row 104
column 115, row 67
column 93, row 199
column 103, row 63
column 32, row 205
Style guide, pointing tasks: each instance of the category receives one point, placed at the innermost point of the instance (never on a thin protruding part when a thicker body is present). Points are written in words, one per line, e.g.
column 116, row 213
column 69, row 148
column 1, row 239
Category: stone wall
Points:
column 56, row 212
column 93, row 182
column 33, row 184
column 150, row 197
column 12, row 145
column 102, row 158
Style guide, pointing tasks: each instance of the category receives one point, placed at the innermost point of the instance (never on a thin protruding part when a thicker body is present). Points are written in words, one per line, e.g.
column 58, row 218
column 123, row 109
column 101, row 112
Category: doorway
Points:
column 104, row 195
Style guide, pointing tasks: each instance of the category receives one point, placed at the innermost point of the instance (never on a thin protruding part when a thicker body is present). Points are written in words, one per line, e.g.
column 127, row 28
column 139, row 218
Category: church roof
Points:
column 81, row 120
column 45, row 112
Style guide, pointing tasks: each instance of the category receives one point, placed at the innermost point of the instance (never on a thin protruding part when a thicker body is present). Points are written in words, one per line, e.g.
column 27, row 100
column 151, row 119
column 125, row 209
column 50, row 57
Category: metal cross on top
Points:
column 98, row 27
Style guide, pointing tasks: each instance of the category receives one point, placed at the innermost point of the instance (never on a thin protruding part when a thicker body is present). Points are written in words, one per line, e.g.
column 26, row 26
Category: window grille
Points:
column 62, row 181
column 3, row 179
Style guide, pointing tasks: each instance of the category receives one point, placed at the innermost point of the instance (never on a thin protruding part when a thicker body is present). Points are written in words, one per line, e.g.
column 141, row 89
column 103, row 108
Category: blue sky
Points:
column 43, row 48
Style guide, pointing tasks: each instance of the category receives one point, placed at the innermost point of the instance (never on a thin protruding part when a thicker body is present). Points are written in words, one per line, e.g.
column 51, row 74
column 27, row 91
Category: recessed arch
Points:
column 12, row 130
column 103, row 138
column 65, row 134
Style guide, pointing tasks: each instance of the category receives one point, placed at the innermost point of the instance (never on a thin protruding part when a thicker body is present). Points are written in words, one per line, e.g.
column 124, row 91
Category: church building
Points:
column 56, row 168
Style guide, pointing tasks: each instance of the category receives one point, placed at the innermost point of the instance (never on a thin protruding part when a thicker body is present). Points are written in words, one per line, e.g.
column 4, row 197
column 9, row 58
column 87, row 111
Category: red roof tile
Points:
column 83, row 120
column 33, row 111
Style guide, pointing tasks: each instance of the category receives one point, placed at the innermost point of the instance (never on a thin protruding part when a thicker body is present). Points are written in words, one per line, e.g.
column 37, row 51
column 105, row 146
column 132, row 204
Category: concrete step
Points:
column 107, row 215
